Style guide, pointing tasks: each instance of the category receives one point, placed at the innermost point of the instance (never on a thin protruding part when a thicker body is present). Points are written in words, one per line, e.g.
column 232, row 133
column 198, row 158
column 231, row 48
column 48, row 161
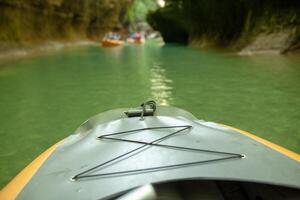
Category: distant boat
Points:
column 111, row 43
column 159, row 152
column 112, row 39
column 135, row 41
column 136, row 38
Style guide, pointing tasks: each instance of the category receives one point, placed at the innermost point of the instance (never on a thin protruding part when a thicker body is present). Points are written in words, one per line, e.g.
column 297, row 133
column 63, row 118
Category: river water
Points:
column 44, row 99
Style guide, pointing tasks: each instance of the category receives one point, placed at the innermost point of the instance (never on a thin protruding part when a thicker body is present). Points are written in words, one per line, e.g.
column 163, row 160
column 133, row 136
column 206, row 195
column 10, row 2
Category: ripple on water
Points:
column 161, row 89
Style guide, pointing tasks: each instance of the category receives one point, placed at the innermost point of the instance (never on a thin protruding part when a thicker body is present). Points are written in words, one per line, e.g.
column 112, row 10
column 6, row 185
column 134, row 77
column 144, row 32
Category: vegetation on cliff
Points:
column 136, row 15
column 137, row 11
column 234, row 23
column 30, row 21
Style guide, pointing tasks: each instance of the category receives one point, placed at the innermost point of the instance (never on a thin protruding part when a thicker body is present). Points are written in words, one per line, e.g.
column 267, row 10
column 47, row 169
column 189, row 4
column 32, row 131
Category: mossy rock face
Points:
column 29, row 21
column 170, row 26
column 228, row 23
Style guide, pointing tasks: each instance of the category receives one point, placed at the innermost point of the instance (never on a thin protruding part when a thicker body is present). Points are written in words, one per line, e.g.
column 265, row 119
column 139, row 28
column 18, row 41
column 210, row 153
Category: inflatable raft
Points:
column 111, row 43
column 154, row 152
column 135, row 41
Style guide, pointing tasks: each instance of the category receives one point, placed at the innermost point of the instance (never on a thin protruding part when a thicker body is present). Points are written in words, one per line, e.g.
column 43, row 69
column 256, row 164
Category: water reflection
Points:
column 113, row 52
column 161, row 90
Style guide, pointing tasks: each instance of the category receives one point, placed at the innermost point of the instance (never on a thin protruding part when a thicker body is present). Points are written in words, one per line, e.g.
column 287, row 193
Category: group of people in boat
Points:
column 112, row 36
column 115, row 39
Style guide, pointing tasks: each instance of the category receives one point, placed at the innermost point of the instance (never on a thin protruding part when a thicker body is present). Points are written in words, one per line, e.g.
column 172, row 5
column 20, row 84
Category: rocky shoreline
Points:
column 282, row 42
column 17, row 51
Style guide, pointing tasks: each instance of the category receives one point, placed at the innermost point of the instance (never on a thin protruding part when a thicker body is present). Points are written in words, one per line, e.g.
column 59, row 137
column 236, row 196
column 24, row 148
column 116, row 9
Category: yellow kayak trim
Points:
column 15, row 186
column 269, row 144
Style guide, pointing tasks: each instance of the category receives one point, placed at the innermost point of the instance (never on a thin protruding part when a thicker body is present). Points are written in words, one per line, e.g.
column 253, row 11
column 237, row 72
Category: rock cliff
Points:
column 25, row 22
column 245, row 25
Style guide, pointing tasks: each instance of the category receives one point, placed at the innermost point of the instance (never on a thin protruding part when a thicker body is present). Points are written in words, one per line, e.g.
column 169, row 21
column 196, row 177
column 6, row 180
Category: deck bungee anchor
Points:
column 146, row 109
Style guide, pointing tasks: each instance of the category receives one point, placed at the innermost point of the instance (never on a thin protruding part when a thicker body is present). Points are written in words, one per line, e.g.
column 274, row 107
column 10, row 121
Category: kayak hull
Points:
column 137, row 42
column 90, row 146
column 111, row 43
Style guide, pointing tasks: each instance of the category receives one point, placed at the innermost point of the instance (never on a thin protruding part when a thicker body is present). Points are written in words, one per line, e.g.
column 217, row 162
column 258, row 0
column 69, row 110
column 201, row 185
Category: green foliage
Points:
column 138, row 10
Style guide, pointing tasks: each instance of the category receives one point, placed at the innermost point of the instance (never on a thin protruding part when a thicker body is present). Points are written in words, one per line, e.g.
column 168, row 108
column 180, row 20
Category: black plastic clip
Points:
column 146, row 109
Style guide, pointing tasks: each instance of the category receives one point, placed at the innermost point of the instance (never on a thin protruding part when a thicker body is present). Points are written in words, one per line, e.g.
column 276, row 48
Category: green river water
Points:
column 44, row 99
